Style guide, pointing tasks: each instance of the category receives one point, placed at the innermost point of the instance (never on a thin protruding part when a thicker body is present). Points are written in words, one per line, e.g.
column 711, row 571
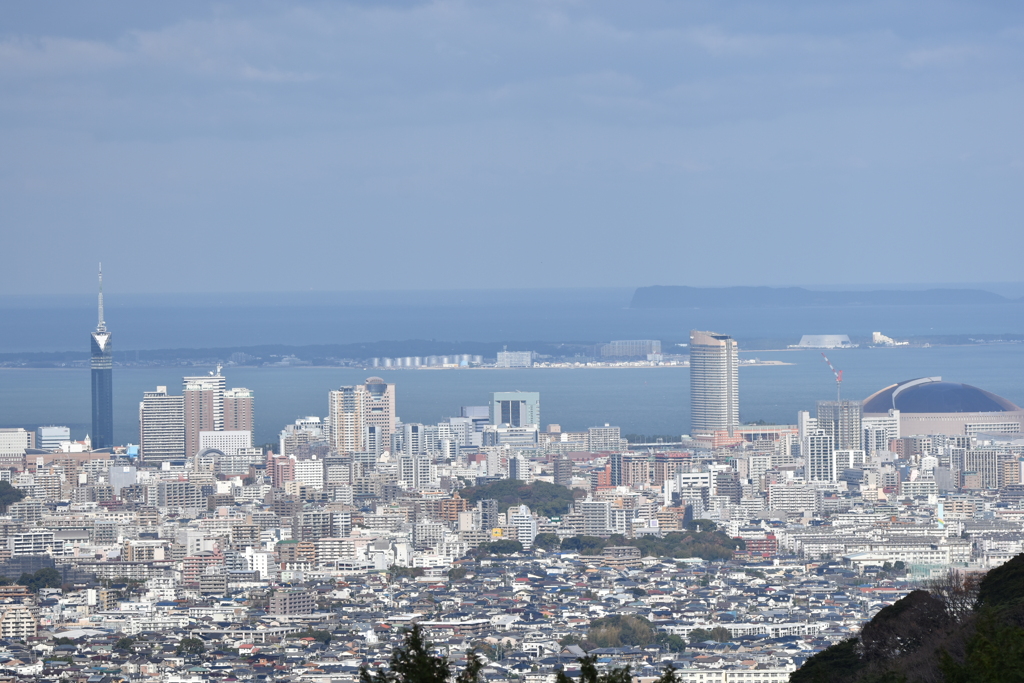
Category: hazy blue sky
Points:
column 197, row 146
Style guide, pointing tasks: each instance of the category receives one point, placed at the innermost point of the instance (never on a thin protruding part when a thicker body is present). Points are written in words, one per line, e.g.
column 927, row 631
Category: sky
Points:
column 334, row 146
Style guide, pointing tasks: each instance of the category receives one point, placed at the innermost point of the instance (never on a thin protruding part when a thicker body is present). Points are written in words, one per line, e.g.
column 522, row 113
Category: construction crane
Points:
column 837, row 373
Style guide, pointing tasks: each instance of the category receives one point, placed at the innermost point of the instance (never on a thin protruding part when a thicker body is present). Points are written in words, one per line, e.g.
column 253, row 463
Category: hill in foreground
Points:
column 958, row 631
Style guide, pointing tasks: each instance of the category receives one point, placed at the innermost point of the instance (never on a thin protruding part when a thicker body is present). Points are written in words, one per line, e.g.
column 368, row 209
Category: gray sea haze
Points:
column 642, row 400
column 170, row 321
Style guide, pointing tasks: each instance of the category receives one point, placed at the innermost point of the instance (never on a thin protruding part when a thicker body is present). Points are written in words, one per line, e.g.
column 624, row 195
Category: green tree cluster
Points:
column 502, row 547
column 547, row 500
column 630, row 630
column 190, row 646
column 396, row 572
column 710, row 544
column 42, row 578
column 547, row 541
column 621, row 630
column 717, row 634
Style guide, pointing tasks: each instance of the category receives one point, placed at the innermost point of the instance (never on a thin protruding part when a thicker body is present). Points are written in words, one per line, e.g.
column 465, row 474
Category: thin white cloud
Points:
column 34, row 57
column 942, row 56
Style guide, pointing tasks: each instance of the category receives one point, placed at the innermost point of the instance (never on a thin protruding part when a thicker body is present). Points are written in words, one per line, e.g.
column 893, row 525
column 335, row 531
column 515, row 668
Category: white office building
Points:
column 50, row 438
column 227, row 442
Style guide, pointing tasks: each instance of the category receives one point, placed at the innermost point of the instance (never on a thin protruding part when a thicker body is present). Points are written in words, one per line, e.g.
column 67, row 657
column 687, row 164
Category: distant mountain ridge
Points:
column 795, row 297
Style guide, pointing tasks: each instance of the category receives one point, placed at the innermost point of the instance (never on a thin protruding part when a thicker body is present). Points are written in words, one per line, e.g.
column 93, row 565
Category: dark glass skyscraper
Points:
column 102, row 385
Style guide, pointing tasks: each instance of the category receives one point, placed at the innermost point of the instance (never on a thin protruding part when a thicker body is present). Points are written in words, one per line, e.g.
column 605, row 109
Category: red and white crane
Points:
column 837, row 373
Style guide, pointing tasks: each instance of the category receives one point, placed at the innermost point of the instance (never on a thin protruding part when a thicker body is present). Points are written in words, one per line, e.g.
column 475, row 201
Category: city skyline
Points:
column 354, row 247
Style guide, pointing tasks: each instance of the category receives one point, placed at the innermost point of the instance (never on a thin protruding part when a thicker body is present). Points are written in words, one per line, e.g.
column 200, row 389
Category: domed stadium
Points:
column 930, row 406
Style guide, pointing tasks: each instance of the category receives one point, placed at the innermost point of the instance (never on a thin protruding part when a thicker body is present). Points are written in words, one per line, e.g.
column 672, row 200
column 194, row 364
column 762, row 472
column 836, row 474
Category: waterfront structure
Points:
column 931, row 406
column 514, row 359
column 515, row 408
column 824, row 341
column 102, row 363
column 353, row 410
column 714, row 383
column 630, row 348
column 161, row 426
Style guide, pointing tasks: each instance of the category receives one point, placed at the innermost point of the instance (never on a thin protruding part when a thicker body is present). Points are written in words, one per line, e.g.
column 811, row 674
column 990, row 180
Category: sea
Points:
column 651, row 401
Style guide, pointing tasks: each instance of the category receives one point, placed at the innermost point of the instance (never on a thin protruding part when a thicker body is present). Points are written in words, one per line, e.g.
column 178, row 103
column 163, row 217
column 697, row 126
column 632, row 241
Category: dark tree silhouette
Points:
column 411, row 662
column 8, row 495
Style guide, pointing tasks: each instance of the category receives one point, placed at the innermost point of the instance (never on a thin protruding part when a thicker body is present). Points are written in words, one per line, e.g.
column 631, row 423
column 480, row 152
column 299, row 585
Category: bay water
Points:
column 639, row 400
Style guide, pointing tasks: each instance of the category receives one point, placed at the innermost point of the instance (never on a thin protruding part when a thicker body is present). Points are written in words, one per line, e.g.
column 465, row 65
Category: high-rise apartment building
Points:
column 842, row 420
column 345, row 417
column 414, row 471
column 380, row 408
column 102, row 364
column 296, row 436
column 879, row 431
column 714, row 383
column 563, row 472
column 353, row 409
column 820, row 458
column 238, row 410
column 604, row 439
column 161, row 426
column 525, row 524
column 519, row 467
column 515, row 408
column 488, row 509
column 204, row 408
column 596, row 517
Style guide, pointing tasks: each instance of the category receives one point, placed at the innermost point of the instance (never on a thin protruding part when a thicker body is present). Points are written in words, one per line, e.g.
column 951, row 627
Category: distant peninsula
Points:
column 795, row 297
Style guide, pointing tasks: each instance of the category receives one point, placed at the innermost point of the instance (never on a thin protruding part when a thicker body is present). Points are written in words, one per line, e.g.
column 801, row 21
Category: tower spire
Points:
column 102, row 326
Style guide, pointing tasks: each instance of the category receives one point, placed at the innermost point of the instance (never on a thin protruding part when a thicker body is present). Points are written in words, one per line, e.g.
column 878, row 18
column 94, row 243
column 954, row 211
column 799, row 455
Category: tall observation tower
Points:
column 102, row 385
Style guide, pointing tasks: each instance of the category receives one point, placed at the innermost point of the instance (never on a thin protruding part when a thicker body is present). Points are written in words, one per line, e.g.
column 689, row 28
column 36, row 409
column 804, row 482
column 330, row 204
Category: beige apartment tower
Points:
column 354, row 409
column 211, row 408
column 204, row 408
column 238, row 410
column 714, row 383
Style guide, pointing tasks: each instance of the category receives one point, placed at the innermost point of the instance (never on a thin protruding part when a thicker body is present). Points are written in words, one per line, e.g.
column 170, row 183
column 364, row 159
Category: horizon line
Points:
column 879, row 286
